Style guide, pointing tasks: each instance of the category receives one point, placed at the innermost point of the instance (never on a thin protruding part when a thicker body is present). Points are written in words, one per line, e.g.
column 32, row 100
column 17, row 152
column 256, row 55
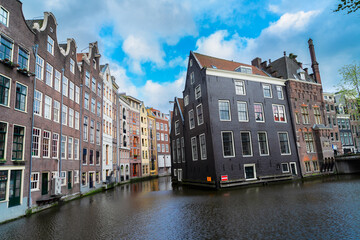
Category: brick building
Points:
column 124, row 137
column 152, row 142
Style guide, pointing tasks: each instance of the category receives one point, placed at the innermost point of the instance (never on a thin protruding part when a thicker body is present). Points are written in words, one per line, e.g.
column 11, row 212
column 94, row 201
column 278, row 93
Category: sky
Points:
column 147, row 42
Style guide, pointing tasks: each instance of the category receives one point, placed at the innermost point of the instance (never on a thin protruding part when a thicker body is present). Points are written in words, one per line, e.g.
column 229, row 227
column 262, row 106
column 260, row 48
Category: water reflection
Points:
column 322, row 209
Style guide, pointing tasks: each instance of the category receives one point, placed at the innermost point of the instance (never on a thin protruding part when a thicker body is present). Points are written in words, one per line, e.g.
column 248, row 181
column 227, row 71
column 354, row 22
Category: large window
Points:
column 177, row 127
column 192, row 78
column 178, row 150
column 309, row 142
column 47, row 107
column 198, row 92
column 259, row 112
column 46, row 144
column 98, row 133
column 6, row 48
column 182, row 149
column 4, row 90
column 194, row 149
column 34, row 182
column 20, row 101
column 77, row 94
column 305, row 114
column 4, row 19
column 56, row 111
column 37, row 102
column 242, row 111
column 72, row 65
column 65, row 86
column 57, row 80
column 224, row 110
column 186, row 100
column 228, row 144
column 240, row 87
column 36, row 142
column 77, row 120
column 246, row 143
column 86, row 100
column 263, row 143
column 279, row 92
column 93, row 102
column 87, row 79
column 23, row 59
column 92, row 131
column 71, row 90
column 93, row 85
column 317, row 115
column 199, row 113
column 18, row 143
column 50, row 45
column 267, row 90
column 71, row 117
column 191, row 119
column 3, row 139
column 76, row 149
column 63, row 147
column 70, row 148
column 279, row 113
column 55, row 145
column 49, row 74
column 202, row 140
column 98, row 110
column 64, row 115
column 86, row 128
column 284, row 144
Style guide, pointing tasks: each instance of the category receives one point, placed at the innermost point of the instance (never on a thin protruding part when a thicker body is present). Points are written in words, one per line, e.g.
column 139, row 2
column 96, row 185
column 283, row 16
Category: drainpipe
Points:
column 61, row 120
column 81, row 136
column 35, row 48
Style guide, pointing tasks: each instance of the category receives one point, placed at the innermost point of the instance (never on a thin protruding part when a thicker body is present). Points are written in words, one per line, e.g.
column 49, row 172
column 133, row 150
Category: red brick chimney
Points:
column 314, row 63
column 256, row 62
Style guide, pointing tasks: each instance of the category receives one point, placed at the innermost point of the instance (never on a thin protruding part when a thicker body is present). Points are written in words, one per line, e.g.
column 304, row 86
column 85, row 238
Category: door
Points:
column 45, row 184
column 293, row 168
column 91, row 180
column 69, row 180
column 15, row 188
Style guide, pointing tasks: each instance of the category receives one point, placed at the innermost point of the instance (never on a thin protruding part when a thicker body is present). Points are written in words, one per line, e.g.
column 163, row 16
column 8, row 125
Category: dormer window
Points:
column 50, row 45
column 244, row 69
column 4, row 16
column 213, row 66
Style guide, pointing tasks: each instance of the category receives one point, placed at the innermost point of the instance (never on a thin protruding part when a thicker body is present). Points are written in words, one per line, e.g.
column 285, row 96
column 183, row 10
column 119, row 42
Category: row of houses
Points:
column 65, row 129
column 240, row 124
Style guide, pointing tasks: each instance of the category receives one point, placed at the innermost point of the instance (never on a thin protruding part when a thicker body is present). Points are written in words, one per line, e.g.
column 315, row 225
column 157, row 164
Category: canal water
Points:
column 319, row 209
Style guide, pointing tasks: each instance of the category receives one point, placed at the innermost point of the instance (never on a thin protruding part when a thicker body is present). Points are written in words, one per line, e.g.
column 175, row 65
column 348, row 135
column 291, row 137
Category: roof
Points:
column 181, row 104
column 31, row 23
column 218, row 63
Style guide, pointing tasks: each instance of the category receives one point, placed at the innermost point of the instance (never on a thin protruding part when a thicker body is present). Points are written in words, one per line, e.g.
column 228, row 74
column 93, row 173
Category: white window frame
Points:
column 247, row 111
column 197, row 114
column 65, row 86
column 233, row 144
column 267, row 85
column 267, row 144
column 192, row 149
column 225, row 120
column 236, row 82
column 191, row 125
column 72, row 65
column 58, row 110
column 40, row 102
column 288, row 140
column 278, row 90
column 63, row 178
column 186, row 100
column 64, row 118
column 7, row 17
column 57, row 80
column 198, row 91
column 77, row 94
column 282, row 168
column 262, row 111
column 76, row 149
column 35, row 181
column 177, row 127
column 39, row 67
column 77, row 120
column 65, row 147
column 70, row 146
column 39, row 143
column 278, row 109
column 71, row 90
column 254, row 167
column 50, row 45
column 192, row 78
column 49, row 74
column 201, row 151
column 49, row 144
column 47, row 107
column 57, row 145
column 71, row 117
column 251, row 148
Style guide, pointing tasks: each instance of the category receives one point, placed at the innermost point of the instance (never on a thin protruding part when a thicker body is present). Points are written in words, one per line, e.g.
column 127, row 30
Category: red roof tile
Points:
column 207, row 61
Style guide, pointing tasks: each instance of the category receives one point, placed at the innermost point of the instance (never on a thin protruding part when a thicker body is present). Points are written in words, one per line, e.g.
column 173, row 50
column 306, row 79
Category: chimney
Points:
column 264, row 65
column 256, row 62
column 300, row 64
column 314, row 63
column 306, row 70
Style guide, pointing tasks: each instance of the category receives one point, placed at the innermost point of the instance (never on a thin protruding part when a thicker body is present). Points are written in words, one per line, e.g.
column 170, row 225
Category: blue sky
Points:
column 147, row 42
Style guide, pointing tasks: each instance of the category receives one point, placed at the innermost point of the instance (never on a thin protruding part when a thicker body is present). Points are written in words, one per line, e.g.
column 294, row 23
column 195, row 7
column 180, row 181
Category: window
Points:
column 65, row 85
column 23, row 59
column 64, row 115
column 279, row 92
column 93, row 105
column 21, row 92
column 34, row 182
column 47, row 107
column 55, row 145
column 202, row 140
column 279, row 113
column 224, row 110
column 71, row 90
column 86, row 100
column 162, row 137
column 92, row 131
column 307, row 166
column 83, row 178
column 76, row 176
column 46, row 144
column 246, row 143
column 57, row 80
column 3, row 184
column 98, row 110
column 199, row 113
column 285, row 167
column 178, row 150
column 63, row 147
column 263, row 143
column 76, row 149
column 305, row 114
column 192, row 78
column 37, row 102
column 161, row 126
column 70, row 148
column 56, row 111
column 198, row 92
column 240, row 87
column 163, row 147
column 177, row 127
column 84, row 159
column 36, row 143
column 244, row 69
column 49, row 74
column 39, row 69
column 284, row 143
column 182, row 149
column 191, row 119
column 242, row 111
column 166, row 137
column 157, row 126
column 194, row 149
column 71, row 117
column 297, row 118
column 93, row 85
column 316, row 166
column 3, row 140
column 317, row 115
column 6, row 48
column 87, row 79
column 158, row 136
column 228, row 144
column 18, row 143
column 250, row 173
column 159, row 148
column 72, row 65
column 77, row 94
column 267, row 90
column 4, row 90
column 186, row 100
column 4, row 17
column 98, row 133
column 97, row 158
column 309, row 142
column 50, row 45
column 259, row 113
column 63, row 178
column 99, row 89
column 85, row 128
column 165, row 126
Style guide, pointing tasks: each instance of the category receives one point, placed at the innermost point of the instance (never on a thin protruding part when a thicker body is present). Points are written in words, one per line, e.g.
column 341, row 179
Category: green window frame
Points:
column 4, row 90
column 21, row 92
column 23, row 59
column 3, row 131
column 6, row 47
column 18, row 143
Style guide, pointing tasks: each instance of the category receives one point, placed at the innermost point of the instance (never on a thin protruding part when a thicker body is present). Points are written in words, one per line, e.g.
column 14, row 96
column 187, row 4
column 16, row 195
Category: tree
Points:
column 349, row 5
